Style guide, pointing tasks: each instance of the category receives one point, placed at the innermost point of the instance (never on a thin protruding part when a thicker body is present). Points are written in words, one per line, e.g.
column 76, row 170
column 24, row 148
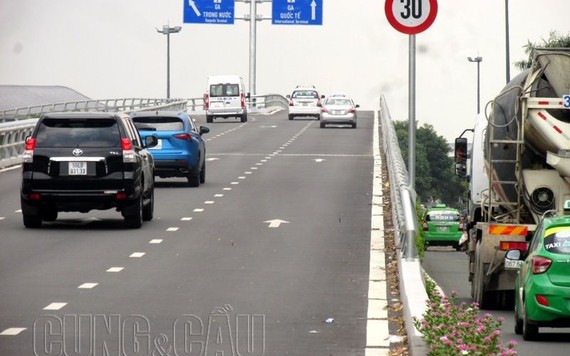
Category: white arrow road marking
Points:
column 313, row 10
column 192, row 4
column 276, row 222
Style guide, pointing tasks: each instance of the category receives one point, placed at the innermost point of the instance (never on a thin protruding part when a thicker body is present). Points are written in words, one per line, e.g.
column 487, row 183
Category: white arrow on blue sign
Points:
column 297, row 12
column 219, row 12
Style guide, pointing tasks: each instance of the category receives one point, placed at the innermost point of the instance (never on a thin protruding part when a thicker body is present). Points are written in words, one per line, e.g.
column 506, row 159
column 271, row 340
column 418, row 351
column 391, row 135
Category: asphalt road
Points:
column 210, row 273
column 449, row 270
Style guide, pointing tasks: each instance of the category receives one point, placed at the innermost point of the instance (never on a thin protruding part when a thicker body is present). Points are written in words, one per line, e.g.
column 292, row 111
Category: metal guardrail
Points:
column 17, row 124
column 412, row 285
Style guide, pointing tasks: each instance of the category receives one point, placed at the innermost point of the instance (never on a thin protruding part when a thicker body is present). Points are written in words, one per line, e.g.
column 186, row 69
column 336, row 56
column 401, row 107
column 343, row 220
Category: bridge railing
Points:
column 412, row 285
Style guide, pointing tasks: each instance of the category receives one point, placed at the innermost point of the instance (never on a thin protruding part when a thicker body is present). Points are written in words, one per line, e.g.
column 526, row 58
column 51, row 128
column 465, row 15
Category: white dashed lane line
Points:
column 12, row 331
column 186, row 218
column 155, row 241
column 137, row 254
column 89, row 285
column 172, row 229
column 115, row 269
column 55, row 306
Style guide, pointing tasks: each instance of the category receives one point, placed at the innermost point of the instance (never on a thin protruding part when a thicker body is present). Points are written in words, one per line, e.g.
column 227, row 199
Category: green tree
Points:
column 435, row 174
column 554, row 40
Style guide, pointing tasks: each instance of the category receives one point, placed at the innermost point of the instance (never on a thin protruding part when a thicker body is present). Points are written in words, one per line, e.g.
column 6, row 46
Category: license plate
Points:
column 513, row 264
column 77, row 168
column 442, row 228
column 158, row 145
column 217, row 104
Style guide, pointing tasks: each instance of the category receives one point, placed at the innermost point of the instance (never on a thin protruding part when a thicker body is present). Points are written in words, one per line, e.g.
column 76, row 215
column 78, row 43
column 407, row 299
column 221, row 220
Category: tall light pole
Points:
column 478, row 60
column 167, row 30
column 507, row 42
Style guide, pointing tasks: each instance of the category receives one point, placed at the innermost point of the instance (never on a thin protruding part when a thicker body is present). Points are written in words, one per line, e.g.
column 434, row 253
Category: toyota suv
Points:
column 81, row 161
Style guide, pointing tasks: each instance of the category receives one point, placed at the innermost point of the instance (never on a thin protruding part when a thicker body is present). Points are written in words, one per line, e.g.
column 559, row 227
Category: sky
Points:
column 111, row 49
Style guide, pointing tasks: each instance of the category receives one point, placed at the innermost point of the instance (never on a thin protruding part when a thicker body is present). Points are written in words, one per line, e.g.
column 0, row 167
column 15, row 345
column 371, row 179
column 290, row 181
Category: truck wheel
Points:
column 291, row 117
column 209, row 118
column 483, row 298
column 244, row 118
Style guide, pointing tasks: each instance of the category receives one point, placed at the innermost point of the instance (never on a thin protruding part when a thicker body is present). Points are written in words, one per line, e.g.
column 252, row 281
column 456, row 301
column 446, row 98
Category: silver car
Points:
column 305, row 101
column 339, row 111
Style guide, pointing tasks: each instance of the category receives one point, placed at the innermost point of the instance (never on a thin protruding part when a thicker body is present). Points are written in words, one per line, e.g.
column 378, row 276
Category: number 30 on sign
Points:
column 411, row 16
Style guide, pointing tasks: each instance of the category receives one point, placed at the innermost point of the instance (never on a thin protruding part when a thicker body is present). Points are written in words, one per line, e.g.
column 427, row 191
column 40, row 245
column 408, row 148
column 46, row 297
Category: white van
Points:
column 225, row 98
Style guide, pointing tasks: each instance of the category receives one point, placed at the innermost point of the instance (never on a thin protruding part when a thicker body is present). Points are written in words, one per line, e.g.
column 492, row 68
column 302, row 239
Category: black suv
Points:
column 80, row 161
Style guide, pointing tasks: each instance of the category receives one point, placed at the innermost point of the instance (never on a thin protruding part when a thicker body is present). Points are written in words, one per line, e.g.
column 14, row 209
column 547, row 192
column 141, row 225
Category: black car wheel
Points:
column 244, row 118
column 134, row 220
column 194, row 179
column 32, row 221
column 291, row 117
column 203, row 173
column 529, row 331
column 148, row 210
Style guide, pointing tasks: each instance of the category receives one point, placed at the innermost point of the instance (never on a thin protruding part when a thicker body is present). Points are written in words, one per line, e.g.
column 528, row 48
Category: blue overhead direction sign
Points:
column 297, row 12
column 219, row 12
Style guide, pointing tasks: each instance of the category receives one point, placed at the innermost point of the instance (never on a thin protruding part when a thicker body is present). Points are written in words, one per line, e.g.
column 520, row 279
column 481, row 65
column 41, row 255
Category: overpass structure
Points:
column 17, row 123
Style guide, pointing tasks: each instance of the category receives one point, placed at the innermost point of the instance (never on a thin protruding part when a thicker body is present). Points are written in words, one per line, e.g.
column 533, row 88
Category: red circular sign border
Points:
column 406, row 29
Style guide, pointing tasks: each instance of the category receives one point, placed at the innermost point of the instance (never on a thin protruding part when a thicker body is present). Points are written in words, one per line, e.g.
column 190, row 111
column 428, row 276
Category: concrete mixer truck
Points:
column 518, row 168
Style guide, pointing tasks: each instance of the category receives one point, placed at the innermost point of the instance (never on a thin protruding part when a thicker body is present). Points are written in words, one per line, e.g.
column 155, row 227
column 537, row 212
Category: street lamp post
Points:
column 167, row 30
column 478, row 60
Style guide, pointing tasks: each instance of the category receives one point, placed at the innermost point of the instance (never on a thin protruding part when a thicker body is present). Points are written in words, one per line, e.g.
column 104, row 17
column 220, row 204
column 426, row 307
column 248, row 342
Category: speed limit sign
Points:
column 411, row 16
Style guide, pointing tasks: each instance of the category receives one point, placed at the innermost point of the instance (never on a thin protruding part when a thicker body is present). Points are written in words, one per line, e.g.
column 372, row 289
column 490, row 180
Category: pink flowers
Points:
column 451, row 329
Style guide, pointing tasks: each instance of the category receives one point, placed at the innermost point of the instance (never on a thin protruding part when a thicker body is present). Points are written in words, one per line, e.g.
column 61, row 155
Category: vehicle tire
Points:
column 244, row 118
column 354, row 126
column 484, row 299
column 134, row 221
column 518, row 322
column 322, row 125
column 49, row 215
column 194, row 179
column 318, row 117
column 529, row 331
column 209, row 118
column 32, row 221
column 148, row 210
column 291, row 117
column 203, row 173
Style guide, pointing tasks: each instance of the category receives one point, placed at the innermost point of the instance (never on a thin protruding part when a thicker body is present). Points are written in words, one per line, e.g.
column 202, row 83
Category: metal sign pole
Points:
column 412, row 113
column 252, row 45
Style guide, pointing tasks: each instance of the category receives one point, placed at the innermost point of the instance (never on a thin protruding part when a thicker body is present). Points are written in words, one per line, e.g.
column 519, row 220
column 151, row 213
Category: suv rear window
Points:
column 217, row 90
column 157, row 123
column 557, row 240
column 54, row 132
column 305, row 94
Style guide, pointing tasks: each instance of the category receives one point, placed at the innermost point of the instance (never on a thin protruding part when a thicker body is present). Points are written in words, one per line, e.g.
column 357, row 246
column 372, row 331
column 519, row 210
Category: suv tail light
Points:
column 183, row 136
column 351, row 110
column 206, row 101
column 128, row 153
column 540, row 264
column 319, row 102
column 242, row 96
column 461, row 225
column 28, row 155
column 291, row 102
column 324, row 109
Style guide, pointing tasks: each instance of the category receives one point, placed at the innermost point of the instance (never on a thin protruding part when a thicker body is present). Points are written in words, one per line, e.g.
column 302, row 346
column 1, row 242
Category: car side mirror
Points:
column 461, row 157
column 151, row 141
column 357, row 106
column 204, row 130
column 513, row 255
column 288, row 96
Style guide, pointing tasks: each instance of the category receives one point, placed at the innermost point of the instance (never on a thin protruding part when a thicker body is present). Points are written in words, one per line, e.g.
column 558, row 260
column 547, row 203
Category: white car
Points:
column 305, row 101
column 339, row 111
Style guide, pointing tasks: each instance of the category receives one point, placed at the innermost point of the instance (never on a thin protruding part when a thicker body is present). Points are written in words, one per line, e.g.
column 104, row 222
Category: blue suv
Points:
column 180, row 151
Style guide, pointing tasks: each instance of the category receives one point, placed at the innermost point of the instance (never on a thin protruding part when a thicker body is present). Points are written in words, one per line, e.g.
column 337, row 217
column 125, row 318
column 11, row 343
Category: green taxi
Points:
column 542, row 285
column 442, row 226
